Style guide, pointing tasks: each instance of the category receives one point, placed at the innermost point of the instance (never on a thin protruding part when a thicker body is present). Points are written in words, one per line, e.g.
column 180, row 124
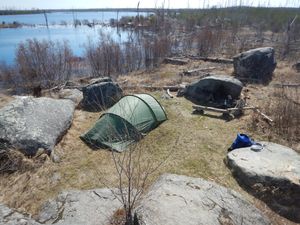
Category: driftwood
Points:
column 175, row 61
column 195, row 72
column 169, row 93
column 209, row 59
column 286, row 85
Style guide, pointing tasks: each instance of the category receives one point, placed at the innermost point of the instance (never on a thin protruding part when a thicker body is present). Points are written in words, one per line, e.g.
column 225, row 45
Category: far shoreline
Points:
column 145, row 10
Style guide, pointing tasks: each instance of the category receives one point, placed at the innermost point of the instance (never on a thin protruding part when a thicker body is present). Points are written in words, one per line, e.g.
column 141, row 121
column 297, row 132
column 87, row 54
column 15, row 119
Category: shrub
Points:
column 285, row 111
column 107, row 57
column 8, row 77
column 104, row 57
column 44, row 63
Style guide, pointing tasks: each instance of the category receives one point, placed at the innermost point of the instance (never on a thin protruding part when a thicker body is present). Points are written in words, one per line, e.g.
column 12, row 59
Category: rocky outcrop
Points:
column 100, row 95
column 74, row 95
column 90, row 207
column 175, row 199
column 172, row 200
column 257, row 64
column 213, row 90
column 273, row 174
column 12, row 217
column 30, row 123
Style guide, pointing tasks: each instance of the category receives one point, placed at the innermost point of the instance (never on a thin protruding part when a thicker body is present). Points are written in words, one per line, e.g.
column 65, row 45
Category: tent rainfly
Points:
column 126, row 122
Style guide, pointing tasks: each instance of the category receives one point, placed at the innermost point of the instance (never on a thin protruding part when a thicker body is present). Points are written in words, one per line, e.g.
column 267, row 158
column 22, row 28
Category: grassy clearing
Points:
column 198, row 145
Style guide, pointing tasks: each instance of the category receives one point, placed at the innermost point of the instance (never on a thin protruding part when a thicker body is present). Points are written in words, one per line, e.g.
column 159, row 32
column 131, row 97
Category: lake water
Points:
column 77, row 37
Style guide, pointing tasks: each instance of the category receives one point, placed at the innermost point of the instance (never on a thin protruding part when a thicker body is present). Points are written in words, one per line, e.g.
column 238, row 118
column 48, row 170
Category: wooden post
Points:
column 46, row 18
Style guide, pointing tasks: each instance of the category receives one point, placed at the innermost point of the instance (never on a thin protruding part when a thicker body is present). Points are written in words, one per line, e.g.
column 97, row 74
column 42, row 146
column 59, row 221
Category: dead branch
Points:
column 168, row 93
column 286, row 85
column 264, row 115
column 195, row 72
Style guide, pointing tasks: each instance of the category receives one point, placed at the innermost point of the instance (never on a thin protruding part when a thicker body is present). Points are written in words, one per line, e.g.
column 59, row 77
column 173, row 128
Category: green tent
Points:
column 126, row 122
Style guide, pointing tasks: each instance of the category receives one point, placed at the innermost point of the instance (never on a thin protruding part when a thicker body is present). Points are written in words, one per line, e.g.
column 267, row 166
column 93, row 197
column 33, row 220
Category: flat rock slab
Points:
column 175, row 199
column 10, row 216
column 273, row 173
column 91, row 207
column 29, row 123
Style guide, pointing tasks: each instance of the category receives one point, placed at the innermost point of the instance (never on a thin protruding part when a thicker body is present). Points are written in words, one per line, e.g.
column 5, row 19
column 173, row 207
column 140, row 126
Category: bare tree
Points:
column 133, row 171
column 288, row 34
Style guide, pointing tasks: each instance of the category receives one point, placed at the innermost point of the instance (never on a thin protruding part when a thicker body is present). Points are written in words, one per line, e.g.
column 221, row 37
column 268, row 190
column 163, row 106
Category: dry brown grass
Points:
column 13, row 160
column 168, row 74
column 201, row 145
column 281, row 104
column 286, row 74
column 4, row 99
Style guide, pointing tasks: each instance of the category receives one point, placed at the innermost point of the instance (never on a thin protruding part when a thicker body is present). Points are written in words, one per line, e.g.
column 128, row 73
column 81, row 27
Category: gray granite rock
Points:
column 256, row 63
column 296, row 67
column 91, row 207
column 100, row 95
column 74, row 95
column 272, row 174
column 176, row 199
column 213, row 90
column 10, row 216
column 30, row 123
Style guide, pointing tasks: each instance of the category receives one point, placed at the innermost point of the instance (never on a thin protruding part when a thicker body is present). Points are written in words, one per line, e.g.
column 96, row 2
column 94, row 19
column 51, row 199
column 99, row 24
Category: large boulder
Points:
column 257, row 64
column 91, row 207
column 296, row 67
column 100, row 95
column 213, row 90
column 29, row 123
column 10, row 216
column 175, row 199
column 74, row 95
column 273, row 174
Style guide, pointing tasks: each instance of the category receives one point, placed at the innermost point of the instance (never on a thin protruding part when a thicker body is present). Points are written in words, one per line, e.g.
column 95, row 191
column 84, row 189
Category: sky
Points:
column 74, row 4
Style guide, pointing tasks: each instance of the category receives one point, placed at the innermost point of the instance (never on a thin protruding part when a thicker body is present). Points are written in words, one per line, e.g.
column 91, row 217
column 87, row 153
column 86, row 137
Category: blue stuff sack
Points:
column 241, row 141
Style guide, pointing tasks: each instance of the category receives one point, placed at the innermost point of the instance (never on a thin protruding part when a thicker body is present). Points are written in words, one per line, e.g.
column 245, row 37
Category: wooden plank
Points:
column 228, row 110
column 200, row 107
column 243, row 108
